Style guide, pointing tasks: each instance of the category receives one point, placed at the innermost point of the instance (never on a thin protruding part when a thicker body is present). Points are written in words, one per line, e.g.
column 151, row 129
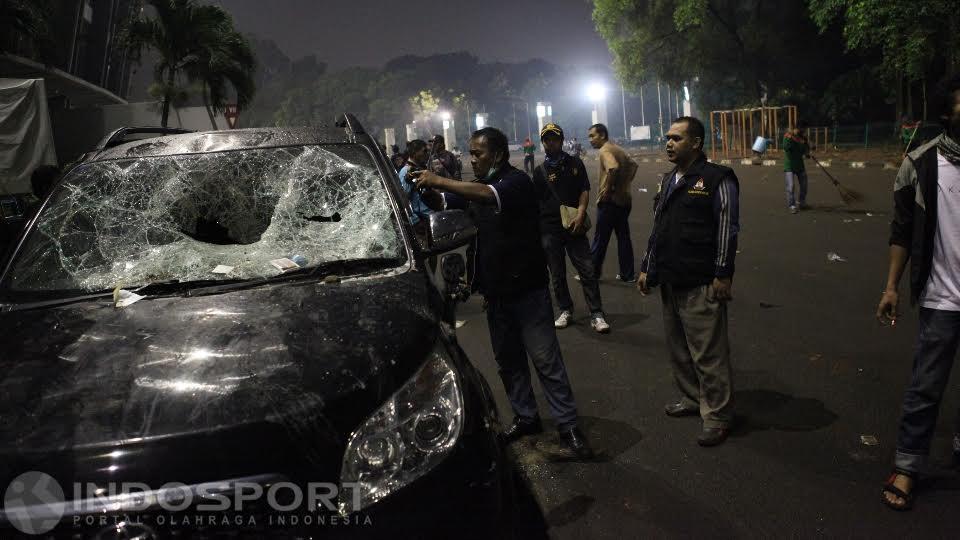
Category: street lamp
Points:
column 544, row 114
column 449, row 127
column 597, row 93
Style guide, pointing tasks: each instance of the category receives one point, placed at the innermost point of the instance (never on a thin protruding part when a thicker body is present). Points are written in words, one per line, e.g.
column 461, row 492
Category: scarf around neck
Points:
column 949, row 148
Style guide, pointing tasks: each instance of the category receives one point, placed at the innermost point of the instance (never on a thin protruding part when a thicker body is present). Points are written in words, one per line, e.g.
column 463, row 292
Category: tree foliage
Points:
column 736, row 52
column 742, row 52
column 912, row 36
column 198, row 43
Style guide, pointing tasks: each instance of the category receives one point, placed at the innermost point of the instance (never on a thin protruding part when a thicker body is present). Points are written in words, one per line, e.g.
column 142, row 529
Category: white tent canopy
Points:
column 26, row 136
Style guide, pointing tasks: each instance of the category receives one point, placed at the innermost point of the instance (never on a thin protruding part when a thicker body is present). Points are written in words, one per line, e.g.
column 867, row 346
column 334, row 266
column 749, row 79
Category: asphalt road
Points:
column 813, row 372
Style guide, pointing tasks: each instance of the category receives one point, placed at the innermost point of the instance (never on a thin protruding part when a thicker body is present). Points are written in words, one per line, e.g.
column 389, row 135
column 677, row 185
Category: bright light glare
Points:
column 481, row 122
column 686, row 93
column 541, row 111
column 597, row 92
column 445, row 115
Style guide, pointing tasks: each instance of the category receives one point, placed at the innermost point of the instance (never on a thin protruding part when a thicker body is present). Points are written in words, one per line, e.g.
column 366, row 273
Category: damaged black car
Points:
column 208, row 316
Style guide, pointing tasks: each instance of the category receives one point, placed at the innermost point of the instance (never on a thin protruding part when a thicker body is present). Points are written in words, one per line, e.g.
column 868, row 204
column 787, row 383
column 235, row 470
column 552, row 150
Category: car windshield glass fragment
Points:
column 226, row 215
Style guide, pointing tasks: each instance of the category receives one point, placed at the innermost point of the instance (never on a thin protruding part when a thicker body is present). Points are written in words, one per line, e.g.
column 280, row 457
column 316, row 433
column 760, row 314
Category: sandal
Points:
column 888, row 487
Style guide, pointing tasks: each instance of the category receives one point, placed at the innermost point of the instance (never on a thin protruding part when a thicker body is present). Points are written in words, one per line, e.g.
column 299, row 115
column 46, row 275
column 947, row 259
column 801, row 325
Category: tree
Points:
column 916, row 39
column 30, row 19
column 739, row 50
column 228, row 61
column 197, row 42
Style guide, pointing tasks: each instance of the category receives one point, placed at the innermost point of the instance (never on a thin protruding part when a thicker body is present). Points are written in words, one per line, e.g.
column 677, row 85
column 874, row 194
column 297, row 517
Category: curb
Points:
column 886, row 165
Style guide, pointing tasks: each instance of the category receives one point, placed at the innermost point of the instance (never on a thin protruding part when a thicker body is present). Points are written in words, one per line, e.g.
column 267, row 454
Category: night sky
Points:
column 370, row 32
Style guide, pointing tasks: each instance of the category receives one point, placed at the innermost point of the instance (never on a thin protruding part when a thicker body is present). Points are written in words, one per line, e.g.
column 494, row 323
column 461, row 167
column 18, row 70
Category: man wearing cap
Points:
column 564, row 191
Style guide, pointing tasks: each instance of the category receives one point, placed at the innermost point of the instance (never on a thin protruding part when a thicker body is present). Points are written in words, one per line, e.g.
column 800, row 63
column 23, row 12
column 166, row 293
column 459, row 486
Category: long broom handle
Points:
column 912, row 135
column 834, row 180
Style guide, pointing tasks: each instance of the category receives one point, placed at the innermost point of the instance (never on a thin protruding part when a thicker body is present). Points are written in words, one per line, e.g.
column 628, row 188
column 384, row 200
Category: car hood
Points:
column 302, row 357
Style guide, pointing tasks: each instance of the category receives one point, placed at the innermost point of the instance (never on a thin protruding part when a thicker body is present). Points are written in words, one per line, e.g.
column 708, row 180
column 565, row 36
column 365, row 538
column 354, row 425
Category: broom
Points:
column 848, row 195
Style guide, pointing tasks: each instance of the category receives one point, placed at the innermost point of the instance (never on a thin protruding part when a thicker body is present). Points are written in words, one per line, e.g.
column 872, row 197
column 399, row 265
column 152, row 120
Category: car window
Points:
column 152, row 219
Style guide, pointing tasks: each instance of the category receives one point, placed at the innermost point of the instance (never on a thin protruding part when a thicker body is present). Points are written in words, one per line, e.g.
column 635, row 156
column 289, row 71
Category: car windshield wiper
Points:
column 13, row 305
column 175, row 286
column 341, row 267
column 201, row 287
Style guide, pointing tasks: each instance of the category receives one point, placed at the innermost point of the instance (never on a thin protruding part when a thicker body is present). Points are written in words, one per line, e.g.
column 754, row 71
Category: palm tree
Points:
column 228, row 61
column 197, row 42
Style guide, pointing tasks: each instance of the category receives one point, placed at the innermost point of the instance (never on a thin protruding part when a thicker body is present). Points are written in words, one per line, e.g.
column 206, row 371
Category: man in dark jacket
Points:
column 926, row 232
column 690, row 255
column 444, row 163
column 511, row 275
column 562, row 182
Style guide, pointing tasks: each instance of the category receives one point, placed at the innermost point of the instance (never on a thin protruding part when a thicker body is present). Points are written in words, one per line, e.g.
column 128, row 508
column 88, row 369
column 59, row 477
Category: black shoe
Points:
column 627, row 279
column 576, row 441
column 712, row 436
column 521, row 427
column 678, row 409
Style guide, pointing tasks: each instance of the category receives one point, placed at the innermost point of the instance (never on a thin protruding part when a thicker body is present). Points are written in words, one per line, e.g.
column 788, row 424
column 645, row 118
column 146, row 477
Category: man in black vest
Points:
column 690, row 255
column 511, row 274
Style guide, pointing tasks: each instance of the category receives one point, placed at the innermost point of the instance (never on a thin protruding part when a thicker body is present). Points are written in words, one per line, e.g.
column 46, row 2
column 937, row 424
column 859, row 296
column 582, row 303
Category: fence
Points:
column 844, row 136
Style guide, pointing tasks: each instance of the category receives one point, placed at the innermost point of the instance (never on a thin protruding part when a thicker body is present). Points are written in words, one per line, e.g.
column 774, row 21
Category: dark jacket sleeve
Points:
column 726, row 204
column 904, row 196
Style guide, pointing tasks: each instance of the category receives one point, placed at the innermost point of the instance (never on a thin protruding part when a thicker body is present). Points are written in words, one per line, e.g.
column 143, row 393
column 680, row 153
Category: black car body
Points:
column 344, row 370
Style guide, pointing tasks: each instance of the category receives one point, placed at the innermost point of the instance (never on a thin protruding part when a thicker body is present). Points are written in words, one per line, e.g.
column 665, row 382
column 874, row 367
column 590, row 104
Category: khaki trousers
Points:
column 696, row 335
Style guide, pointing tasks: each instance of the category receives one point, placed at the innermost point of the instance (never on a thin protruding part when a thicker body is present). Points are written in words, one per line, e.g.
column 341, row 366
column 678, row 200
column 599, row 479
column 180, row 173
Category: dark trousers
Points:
column 522, row 326
column 612, row 218
column 557, row 245
column 934, row 357
column 528, row 164
column 696, row 331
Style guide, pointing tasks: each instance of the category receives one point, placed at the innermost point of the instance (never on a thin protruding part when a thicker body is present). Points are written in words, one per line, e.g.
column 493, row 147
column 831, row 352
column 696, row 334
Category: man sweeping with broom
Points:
column 795, row 148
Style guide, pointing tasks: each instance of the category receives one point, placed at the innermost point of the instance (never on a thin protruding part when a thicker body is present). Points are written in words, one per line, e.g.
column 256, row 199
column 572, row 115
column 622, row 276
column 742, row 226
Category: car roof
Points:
column 234, row 139
column 118, row 136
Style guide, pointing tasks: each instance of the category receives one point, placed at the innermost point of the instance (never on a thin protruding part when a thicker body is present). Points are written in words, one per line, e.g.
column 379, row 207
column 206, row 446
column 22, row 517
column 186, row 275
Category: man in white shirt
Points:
column 926, row 231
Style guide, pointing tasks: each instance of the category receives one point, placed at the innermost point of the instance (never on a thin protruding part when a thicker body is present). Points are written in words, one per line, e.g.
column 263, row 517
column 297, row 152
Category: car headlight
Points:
column 406, row 437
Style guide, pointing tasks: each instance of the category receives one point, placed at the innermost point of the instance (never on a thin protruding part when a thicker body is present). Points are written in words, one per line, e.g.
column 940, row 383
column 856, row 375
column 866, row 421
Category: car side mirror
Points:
column 449, row 230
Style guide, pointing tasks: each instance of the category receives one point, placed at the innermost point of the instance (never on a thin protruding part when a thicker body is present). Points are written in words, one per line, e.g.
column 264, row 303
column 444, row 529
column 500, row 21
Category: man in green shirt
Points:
column 529, row 149
column 795, row 148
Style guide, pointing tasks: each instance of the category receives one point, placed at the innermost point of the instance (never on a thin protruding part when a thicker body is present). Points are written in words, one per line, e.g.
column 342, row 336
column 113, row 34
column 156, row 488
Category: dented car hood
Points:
column 302, row 356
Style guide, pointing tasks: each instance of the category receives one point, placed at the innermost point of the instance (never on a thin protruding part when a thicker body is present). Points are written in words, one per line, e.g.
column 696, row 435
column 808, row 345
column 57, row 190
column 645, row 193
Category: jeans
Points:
column 802, row 181
column 557, row 245
column 935, row 353
column 521, row 327
column 528, row 164
column 612, row 218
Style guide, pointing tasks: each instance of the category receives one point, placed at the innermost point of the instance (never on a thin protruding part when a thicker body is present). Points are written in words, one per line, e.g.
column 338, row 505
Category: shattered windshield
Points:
column 215, row 216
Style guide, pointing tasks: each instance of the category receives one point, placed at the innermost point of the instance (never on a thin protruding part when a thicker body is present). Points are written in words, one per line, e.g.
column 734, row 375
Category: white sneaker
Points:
column 600, row 325
column 793, row 210
column 563, row 320
column 577, row 277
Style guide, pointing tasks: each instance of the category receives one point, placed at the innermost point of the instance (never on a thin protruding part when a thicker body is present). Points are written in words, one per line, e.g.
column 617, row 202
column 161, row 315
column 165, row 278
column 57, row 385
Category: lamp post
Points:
column 597, row 93
column 660, row 109
column 544, row 114
column 449, row 128
column 623, row 101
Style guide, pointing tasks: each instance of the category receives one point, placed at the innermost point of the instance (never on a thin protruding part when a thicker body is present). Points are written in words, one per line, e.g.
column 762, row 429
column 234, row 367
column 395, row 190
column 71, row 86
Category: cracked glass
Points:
column 135, row 221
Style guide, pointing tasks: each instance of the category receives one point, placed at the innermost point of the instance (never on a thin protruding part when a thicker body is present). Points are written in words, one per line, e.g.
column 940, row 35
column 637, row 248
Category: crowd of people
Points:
column 530, row 222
